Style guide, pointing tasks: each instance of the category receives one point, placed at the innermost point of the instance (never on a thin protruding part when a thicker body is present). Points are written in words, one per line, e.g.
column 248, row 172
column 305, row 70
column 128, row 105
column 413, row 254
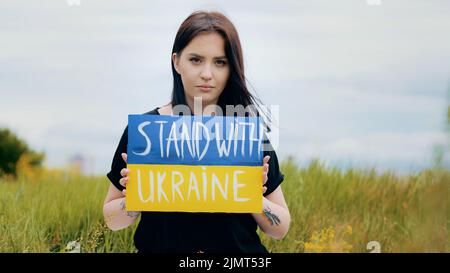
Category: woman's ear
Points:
column 175, row 62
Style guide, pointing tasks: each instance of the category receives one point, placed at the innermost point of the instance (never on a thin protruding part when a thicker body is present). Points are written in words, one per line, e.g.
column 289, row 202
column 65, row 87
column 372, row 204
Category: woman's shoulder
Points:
column 163, row 110
column 152, row 112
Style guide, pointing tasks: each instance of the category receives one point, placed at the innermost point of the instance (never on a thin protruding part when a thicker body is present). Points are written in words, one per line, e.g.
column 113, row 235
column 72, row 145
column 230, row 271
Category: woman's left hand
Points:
column 265, row 172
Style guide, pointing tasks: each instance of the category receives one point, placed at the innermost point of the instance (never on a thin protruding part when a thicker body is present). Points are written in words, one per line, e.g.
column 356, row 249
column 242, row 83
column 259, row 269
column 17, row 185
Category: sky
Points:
column 359, row 83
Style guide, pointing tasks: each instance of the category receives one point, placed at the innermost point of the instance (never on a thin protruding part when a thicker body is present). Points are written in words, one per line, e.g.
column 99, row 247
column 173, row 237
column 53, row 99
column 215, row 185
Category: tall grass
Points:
column 402, row 214
column 331, row 211
column 45, row 215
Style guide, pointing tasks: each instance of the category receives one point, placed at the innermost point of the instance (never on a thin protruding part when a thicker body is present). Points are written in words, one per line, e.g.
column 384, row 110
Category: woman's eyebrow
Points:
column 201, row 57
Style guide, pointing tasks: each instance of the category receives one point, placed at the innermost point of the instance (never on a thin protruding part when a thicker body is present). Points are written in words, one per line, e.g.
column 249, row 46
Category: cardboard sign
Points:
column 194, row 163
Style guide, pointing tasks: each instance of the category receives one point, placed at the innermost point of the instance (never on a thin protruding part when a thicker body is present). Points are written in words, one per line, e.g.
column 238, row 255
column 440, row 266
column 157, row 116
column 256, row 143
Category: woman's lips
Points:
column 205, row 88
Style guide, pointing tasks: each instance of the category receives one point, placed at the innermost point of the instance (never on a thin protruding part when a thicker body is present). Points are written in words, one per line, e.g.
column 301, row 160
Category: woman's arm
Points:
column 275, row 218
column 116, row 217
column 114, row 212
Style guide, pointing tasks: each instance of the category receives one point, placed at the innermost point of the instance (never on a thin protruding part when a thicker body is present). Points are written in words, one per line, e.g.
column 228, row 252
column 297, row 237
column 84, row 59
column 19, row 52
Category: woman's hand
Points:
column 124, row 181
column 265, row 172
column 124, row 173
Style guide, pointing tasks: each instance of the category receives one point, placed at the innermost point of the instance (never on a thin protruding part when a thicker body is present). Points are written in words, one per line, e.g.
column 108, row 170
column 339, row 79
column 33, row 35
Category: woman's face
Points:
column 203, row 68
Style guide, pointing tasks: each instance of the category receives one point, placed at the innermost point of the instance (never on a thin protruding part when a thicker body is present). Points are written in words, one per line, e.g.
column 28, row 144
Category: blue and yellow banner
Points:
column 194, row 163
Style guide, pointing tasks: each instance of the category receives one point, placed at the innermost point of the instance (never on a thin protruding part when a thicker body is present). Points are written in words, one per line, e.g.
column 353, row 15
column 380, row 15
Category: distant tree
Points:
column 12, row 149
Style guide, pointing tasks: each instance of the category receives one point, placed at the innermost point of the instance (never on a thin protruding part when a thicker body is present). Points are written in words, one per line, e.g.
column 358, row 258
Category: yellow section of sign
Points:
column 188, row 188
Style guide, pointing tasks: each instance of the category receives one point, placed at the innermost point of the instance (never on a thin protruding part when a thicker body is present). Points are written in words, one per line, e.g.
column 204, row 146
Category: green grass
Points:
column 331, row 211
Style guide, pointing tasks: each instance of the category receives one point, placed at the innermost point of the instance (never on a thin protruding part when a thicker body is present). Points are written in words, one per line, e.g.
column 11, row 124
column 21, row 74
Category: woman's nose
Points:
column 206, row 73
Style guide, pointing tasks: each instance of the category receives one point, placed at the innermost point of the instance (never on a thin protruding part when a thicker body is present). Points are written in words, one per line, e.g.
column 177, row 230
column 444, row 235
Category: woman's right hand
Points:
column 124, row 173
column 124, row 181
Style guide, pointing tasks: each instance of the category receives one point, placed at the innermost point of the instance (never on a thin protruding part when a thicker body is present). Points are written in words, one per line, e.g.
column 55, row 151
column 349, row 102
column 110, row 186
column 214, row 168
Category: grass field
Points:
column 331, row 211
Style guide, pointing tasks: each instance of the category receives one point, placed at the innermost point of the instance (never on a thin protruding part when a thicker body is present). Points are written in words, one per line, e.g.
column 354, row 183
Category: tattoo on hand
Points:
column 129, row 213
column 133, row 213
column 271, row 216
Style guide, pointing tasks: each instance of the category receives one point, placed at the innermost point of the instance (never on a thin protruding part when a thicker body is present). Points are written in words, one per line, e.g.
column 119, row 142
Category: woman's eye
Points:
column 195, row 60
column 221, row 62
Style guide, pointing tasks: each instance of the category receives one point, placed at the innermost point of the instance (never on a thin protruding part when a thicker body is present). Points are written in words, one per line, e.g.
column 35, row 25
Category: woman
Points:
column 207, row 64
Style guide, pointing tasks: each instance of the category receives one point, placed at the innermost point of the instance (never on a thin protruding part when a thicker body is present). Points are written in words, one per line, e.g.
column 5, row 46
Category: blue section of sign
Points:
column 195, row 140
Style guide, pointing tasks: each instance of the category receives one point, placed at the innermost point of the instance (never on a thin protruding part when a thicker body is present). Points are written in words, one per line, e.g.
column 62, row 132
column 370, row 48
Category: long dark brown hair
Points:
column 235, row 92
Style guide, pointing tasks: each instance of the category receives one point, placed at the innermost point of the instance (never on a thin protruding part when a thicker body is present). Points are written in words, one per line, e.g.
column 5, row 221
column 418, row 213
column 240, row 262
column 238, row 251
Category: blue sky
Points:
column 357, row 84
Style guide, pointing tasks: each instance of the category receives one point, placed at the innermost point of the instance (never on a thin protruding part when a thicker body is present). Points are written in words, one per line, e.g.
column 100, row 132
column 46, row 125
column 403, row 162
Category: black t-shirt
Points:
column 185, row 232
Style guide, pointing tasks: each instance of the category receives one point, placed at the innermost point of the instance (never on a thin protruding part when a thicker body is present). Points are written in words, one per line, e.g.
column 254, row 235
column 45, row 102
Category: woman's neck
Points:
column 197, row 107
column 207, row 111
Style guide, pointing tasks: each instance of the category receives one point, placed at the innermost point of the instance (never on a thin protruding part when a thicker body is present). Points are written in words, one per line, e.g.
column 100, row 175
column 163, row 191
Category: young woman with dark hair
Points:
column 207, row 67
